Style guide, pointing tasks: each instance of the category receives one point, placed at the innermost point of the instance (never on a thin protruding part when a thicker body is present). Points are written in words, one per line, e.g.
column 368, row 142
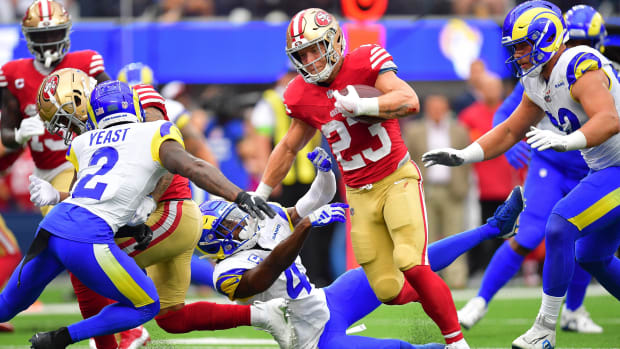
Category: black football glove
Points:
column 141, row 233
column 254, row 205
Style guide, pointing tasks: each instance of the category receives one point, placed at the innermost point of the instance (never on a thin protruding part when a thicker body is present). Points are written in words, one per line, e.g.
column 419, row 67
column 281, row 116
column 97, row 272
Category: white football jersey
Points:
column 117, row 166
column 308, row 305
column 566, row 114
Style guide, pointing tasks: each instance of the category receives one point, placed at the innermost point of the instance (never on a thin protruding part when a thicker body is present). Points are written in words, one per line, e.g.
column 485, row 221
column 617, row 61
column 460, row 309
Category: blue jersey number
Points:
column 567, row 121
column 110, row 156
column 293, row 273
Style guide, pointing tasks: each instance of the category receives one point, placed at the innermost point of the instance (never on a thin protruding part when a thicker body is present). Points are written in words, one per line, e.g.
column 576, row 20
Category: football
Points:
column 365, row 91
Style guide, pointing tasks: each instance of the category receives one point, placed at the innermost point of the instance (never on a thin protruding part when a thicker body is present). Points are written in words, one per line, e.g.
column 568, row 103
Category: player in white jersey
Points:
column 260, row 262
column 118, row 163
column 578, row 91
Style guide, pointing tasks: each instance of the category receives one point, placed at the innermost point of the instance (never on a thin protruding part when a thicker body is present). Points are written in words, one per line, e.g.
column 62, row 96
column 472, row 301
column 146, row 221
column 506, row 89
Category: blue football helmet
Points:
column 541, row 25
column 113, row 102
column 137, row 73
column 220, row 219
column 585, row 23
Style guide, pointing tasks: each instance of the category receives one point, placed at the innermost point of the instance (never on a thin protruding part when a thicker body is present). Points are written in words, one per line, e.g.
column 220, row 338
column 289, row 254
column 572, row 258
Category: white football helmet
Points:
column 314, row 26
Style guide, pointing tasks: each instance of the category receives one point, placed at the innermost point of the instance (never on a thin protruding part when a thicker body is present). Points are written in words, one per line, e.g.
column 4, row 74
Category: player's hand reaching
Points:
column 29, row 127
column 320, row 159
column 42, row 193
column 443, row 156
column 519, row 155
column 254, row 205
column 545, row 139
column 328, row 214
column 147, row 206
column 352, row 104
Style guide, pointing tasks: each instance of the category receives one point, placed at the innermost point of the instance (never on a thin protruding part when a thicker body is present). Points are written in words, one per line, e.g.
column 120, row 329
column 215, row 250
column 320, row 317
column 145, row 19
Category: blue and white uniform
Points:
column 116, row 167
column 320, row 316
column 590, row 213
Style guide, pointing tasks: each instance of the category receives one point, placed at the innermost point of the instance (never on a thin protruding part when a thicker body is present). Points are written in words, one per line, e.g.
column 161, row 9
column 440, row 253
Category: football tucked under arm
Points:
column 365, row 91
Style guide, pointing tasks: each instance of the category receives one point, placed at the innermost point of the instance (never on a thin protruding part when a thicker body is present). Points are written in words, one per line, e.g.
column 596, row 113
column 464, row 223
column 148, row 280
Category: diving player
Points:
column 78, row 233
column 577, row 89
column 260, row 262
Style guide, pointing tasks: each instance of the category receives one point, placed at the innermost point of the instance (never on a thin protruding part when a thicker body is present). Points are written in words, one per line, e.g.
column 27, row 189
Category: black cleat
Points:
column 58, row 339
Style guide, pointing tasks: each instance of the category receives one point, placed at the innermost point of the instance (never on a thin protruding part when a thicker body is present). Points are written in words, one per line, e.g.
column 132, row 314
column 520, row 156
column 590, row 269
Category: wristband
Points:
column 369, row 106
column 263, row 190
column 472, row 153
column 576, row 140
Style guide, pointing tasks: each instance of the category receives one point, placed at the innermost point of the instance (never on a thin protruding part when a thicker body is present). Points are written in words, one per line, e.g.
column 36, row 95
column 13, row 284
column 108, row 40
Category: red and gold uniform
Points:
column 22, row 78
column 176, row 224
column 384, row 188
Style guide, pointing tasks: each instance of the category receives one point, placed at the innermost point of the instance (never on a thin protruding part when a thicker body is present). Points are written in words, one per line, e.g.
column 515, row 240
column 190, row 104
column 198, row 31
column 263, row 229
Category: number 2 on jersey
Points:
column 110, row 157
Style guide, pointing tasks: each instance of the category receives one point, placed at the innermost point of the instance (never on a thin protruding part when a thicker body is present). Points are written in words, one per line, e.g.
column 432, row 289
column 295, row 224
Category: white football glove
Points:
column 353, row 105
column 545, row 139
column 147, row 206
column 327, row 214
column 29, row 127
column 42, row 193
column 320, row 159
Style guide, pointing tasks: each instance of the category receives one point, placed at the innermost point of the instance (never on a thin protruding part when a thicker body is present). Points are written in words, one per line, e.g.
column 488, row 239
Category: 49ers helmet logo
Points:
column 322, row 19
column 50, row 87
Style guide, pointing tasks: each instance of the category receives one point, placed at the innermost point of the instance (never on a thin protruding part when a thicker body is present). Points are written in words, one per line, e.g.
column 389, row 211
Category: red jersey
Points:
column 366, row 153
column 22, row 79
column 179, row 187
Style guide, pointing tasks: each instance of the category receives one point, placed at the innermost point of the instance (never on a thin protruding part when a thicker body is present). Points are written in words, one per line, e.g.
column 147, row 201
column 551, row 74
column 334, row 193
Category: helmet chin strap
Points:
column 50, row 57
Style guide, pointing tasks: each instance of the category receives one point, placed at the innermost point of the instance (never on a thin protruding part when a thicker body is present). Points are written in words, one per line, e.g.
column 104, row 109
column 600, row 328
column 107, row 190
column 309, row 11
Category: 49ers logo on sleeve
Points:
column 50, row 87
column 322, row 19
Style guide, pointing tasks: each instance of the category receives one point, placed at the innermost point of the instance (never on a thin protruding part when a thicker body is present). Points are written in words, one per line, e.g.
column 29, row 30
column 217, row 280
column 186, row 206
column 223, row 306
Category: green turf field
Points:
column 509, row 316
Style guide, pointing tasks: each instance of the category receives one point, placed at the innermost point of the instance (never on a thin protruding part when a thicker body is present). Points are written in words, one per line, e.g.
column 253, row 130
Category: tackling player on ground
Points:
column 260, row 262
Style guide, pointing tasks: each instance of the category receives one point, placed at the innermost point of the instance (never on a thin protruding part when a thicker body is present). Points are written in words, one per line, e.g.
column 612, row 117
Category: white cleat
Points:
column 275, row 320
column 472, row 312
column 578, row 321
column 540, row 336
column 461, row 344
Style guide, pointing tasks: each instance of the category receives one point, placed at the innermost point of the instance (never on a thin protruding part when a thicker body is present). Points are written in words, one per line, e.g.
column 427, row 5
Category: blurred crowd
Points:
column 276, row 10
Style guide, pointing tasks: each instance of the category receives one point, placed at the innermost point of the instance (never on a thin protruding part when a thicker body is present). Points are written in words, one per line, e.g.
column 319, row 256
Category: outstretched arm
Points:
column 493, row 143
column 176, row 160
column 260, row 278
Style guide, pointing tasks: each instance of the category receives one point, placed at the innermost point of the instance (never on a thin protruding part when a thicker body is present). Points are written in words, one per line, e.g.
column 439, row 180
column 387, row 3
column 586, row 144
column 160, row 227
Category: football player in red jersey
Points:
column 46, row 27
column 384, row 187
column 10, row 255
